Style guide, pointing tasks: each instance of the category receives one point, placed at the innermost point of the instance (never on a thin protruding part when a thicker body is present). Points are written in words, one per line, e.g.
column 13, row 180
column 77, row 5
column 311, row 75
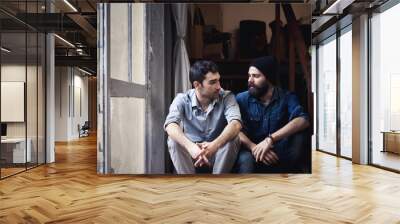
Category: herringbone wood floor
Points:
column 70, row 191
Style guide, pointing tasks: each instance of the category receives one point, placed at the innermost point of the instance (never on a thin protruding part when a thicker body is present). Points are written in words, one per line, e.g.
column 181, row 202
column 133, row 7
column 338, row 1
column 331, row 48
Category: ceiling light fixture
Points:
column 84, row 71
column 5, row 50
column 337, row 7
column 70, row 5
column 64, row 40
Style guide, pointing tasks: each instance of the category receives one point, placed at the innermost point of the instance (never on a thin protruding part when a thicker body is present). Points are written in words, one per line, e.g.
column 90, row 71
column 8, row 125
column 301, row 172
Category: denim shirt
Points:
column 259, row 120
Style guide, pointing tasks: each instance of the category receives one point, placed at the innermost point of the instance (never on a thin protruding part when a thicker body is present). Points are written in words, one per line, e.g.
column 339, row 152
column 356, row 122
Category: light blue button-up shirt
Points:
column 199, row 125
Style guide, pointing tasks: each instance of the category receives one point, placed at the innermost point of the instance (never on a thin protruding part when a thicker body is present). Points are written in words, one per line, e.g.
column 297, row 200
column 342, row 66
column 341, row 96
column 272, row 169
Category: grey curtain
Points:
column 181, row 64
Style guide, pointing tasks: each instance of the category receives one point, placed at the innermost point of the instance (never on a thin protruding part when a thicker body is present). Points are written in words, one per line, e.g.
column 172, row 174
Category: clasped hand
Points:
column 201, row 152
column 263, row 152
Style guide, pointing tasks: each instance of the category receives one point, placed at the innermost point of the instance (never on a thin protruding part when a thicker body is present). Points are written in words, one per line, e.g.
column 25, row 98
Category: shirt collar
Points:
column 193, row 98
column 195, row 102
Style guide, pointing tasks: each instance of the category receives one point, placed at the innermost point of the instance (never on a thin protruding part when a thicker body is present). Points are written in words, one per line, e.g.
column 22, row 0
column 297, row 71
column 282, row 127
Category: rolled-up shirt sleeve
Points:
column 241, row 102
column 232, row 110
column 176, row 111
column 294, row 108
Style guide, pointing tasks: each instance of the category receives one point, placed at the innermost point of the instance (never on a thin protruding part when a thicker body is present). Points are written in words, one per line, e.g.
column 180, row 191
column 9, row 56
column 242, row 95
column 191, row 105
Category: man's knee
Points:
column 172, row 145
column 232, row 145
column 181, row 159
column 297, row 144
column 175, row 149
column 295, row 157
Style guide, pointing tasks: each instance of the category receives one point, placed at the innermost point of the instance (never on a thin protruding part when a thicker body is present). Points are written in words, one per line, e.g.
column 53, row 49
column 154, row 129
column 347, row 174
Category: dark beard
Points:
column 258, row 92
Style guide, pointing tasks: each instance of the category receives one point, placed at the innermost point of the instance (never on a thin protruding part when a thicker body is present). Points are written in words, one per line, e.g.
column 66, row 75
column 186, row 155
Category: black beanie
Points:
column 267, row 65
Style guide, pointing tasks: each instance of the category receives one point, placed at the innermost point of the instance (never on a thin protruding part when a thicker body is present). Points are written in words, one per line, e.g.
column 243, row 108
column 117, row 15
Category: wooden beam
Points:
column 302, row 52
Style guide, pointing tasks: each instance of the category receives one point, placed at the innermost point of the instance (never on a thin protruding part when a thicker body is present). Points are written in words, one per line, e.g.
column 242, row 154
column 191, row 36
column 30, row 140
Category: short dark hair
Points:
column 199, row 70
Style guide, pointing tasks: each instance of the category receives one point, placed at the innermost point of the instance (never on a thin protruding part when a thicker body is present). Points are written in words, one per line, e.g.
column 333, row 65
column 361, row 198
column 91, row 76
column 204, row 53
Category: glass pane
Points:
column 13, row 86
column 119, row 43
column 127, row 135
column 346, row 94
column 385, row 84
column 41, row 89
column 41, row 99
column 327, row 96
column 77, row 110
column 31, row 97
column 138, row 43
column 314, row 90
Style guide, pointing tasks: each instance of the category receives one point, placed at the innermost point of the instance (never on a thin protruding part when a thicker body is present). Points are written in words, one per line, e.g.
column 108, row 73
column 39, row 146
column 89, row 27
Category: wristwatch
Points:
column 272, row 139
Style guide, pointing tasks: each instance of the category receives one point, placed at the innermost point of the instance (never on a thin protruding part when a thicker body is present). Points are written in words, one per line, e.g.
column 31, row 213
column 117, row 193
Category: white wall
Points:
column 80, row 83
column 61, row 103
column 70, row 83
column 14, row 73
column 10, row 73
column 33, row 126
column 17, row 72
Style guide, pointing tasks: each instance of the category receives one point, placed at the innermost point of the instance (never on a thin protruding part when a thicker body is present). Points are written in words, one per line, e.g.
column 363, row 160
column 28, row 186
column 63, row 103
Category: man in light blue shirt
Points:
column 203, row 124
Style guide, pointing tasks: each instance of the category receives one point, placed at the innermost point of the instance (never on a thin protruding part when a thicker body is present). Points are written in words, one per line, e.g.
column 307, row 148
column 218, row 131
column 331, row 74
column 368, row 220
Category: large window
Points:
column 326, row 100
column 334, row 73
column 22, row 77
column 345, row 59
column 385, row 89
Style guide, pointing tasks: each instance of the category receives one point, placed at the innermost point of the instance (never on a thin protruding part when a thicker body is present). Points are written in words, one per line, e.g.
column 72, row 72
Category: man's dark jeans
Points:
column 292, row 159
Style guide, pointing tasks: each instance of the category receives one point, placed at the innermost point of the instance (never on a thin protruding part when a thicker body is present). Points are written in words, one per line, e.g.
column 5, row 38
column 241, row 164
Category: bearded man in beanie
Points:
column 272, row 135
